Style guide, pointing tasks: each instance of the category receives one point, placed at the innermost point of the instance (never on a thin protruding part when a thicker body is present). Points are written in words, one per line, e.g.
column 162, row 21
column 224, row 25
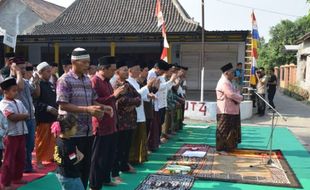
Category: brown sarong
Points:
column 44, row 142
column 166, row 127
column 138, row 149
column 239, row 129
column 227, row 132
column 153, row 136
column 178, row 118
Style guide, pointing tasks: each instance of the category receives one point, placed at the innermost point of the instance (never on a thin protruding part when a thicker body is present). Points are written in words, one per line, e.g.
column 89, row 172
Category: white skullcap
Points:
column 42, row 65
column 79, row 54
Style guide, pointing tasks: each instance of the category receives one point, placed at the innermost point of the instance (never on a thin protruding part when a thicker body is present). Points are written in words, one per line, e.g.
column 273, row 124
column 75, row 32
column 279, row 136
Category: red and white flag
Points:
column 159, row 14
column 164, row 34
column 161, row 23
column 164, row 54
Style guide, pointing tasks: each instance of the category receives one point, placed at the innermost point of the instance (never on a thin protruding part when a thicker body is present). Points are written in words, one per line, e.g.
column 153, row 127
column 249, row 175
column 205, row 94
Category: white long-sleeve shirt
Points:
column 161, row 94
column 144, row 91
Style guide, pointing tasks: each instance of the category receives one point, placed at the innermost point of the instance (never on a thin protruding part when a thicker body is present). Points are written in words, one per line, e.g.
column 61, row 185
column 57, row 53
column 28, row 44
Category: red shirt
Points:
column 106, row 125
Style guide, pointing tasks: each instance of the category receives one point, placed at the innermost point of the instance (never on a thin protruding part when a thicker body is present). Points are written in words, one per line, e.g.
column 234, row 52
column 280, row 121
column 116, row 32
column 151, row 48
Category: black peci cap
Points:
column 7, row 83
column 226, row 67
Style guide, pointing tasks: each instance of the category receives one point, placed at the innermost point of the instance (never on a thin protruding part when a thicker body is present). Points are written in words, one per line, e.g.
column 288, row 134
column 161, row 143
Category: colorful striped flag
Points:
column 254, row 54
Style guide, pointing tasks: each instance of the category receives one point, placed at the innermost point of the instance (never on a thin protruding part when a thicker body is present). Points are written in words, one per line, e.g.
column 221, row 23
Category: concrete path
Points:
column 296, row 113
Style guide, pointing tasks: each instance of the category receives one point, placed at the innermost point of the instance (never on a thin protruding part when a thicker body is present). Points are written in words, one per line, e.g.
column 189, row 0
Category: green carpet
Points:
column 252, row 137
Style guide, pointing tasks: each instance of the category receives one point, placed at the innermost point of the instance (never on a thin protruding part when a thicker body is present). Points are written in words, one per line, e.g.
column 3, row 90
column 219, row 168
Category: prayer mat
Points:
column 241, row 166
column 166, row 182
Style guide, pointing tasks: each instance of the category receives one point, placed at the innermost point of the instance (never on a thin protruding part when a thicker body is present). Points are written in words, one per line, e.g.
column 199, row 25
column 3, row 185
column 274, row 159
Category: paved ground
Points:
column 296, row 113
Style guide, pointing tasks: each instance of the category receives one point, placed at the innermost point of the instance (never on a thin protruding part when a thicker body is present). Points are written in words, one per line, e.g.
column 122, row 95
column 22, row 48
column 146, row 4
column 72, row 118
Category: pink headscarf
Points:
column 55, row 128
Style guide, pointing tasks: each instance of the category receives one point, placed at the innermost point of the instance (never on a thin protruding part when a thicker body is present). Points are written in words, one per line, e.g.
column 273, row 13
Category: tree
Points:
column 285, row 33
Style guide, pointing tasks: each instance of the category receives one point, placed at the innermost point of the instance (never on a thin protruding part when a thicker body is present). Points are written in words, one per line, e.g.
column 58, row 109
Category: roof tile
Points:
column 118, row 17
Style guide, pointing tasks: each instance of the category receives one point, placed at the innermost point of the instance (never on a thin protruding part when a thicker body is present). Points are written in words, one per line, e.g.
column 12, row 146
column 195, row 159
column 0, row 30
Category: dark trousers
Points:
column 148, row 124
column 84, row 144
column 261, row 105
column 271, row 94
column 122, row 152
column 14, row 159
column 102, row 160
column 182, row 116
column 153, row 139
column 31, row 126
column 162, row 114
column 253, row 96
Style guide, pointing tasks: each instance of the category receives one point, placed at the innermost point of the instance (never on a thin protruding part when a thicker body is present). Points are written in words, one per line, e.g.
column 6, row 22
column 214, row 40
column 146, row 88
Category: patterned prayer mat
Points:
column 242, row 166
column 166, row 182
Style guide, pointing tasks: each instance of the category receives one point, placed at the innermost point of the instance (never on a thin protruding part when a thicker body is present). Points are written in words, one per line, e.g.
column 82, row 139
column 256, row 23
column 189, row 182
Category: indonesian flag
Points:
column 161, row 23
column 164, row 34
column 72, row 156
column 159, row 14
column 164, row 54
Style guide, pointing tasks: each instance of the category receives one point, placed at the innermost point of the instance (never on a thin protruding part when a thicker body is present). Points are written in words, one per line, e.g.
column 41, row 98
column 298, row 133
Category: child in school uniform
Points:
column 15, row 137
column 66, row 153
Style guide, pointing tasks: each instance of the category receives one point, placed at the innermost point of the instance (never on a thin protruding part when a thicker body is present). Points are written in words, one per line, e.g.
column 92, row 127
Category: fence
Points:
column 287, row 75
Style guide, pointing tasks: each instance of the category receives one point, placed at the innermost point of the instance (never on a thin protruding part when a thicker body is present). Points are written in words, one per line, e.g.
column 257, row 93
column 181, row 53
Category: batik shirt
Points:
column 78, row 91
column 126, row 107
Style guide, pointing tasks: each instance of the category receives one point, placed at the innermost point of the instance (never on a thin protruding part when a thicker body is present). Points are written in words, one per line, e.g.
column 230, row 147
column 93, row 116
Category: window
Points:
column 303, row 62
column 305, row 73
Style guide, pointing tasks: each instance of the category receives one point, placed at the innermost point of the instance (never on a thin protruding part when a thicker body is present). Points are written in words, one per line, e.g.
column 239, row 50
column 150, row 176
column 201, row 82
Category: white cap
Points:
column 79, row 54
column 42, row 65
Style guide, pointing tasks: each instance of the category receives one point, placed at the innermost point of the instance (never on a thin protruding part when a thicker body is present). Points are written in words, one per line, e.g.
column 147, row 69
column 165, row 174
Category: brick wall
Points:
column 288, row 74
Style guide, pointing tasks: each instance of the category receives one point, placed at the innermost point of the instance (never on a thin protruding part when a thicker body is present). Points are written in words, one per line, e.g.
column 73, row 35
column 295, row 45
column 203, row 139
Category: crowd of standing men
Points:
column 94, row 121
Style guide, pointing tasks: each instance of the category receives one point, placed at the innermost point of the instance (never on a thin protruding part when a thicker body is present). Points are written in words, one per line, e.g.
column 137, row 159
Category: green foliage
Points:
column 285, row 33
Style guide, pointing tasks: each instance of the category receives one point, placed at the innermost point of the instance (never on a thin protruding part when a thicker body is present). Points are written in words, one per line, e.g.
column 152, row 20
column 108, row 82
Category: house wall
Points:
column 186, row 54
column 216, row 55
column 17, row 18
column 303, row 66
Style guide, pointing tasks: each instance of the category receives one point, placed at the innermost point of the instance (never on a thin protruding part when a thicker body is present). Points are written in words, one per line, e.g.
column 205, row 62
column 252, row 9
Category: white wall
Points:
column 216, row 55
column 25, row 22
column 302, row 64
column 206, row 111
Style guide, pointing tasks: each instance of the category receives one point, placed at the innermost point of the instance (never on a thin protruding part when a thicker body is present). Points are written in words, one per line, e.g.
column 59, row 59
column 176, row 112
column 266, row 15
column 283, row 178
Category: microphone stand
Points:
column 270, row 162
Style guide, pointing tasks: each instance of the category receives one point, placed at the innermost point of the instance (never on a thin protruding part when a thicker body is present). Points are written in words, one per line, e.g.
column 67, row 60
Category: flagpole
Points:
column 202, row 50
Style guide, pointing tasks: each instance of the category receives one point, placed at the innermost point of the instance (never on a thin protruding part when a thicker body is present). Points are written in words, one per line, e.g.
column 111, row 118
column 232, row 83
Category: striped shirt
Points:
column 78, row 91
